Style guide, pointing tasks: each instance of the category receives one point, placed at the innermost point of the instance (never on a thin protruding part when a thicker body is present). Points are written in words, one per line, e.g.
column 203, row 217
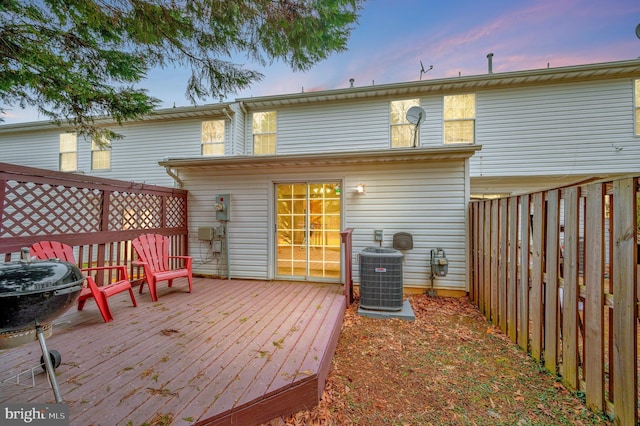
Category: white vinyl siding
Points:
column 264, row 133
column 213, row 137
column 556, row 130
column 68, row 152
column 237, row 131
column 133, row 158
column 334, row 128
column 426, row 199
column 402, row 132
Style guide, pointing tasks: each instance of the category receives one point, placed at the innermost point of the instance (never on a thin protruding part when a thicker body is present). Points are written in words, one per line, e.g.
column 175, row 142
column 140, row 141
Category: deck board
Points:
column 203, row 358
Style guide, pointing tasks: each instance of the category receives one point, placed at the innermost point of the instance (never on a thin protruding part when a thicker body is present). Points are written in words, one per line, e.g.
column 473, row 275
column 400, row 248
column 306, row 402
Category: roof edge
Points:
column 319, row 159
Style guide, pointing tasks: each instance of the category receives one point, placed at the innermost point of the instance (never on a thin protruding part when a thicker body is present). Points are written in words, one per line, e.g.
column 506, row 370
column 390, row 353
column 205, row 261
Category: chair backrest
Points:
column 154, row 250
column 52, row 250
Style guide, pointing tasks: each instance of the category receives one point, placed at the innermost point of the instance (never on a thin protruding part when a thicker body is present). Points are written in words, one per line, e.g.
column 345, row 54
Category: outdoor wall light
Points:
column 361, row 188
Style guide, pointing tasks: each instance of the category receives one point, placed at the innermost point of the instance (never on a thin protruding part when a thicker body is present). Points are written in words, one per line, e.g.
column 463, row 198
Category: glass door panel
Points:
column 308, row 230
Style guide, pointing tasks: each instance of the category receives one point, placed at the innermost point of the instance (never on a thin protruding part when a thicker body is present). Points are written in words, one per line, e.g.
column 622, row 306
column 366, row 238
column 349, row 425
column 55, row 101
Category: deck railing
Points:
column 98, row 217
column 557, row 272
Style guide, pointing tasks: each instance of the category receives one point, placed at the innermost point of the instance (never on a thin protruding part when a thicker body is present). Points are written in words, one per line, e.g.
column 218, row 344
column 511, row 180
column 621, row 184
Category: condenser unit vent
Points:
column 381, row 279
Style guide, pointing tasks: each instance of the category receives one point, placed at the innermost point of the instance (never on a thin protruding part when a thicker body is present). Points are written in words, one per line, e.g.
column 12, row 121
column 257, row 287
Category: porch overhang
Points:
column 411, row 155
column 503, row 186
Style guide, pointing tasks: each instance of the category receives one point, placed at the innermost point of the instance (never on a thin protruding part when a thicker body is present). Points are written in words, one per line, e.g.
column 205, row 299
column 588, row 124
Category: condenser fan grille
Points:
column 381, row 279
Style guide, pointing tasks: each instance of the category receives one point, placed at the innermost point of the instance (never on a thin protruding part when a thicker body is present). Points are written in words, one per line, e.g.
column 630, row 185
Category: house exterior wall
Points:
column 133, row 158
column 427, row 199
column 34, row 149
column 533, row 129
column 558, row 129
column 238, row 130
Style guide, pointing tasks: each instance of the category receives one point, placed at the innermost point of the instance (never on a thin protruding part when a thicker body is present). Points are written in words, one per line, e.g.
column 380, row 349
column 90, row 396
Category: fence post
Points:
column 571, row 292
column 523, row 283
column 623, row 276
column 594, row 299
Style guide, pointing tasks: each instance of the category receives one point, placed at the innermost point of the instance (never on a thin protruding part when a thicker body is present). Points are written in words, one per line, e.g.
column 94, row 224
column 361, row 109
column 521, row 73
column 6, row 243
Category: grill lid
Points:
column 37, row 276
column 34, row 293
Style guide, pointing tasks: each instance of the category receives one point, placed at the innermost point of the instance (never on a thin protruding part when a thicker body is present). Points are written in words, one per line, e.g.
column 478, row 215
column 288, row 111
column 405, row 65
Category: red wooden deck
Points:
column 232, row 352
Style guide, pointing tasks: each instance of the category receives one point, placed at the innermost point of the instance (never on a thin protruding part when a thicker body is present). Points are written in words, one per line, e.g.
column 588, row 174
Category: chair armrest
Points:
column 187, row 260
column 121, row 274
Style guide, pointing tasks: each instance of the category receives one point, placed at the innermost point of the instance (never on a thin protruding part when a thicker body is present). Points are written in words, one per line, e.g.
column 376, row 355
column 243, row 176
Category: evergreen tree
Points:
column 77, row 60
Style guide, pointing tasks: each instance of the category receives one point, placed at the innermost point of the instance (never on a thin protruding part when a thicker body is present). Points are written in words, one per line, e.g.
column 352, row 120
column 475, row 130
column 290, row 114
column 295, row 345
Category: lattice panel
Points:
column 41, row 209
column 176, row 213
column 134, row 211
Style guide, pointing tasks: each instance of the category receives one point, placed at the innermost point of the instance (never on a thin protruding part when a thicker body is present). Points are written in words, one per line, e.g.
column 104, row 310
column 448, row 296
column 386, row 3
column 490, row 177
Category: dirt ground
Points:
column 448, row 367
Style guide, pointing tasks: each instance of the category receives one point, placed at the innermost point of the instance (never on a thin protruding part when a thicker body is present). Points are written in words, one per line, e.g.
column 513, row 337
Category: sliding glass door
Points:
column 308, row 231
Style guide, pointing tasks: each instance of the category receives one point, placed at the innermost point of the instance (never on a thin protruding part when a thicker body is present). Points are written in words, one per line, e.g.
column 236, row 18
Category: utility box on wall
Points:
column 222, row 206
column 205, row 233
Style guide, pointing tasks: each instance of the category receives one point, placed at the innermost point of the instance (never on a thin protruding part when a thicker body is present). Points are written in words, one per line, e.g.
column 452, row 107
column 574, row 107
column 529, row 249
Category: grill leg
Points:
column 48, row 364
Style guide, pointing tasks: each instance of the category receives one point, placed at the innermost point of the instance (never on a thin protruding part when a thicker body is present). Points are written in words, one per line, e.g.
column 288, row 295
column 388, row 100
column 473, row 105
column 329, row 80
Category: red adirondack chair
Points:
column 153, row 252
column 55, row 250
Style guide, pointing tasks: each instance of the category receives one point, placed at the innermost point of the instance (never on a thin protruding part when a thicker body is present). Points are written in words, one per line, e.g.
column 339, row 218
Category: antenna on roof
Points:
column 422, row 70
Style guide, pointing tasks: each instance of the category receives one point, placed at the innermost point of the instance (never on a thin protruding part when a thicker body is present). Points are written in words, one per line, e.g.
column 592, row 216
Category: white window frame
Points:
column 401, row 132
column 636, row 104
column 96, row 155
column 457, row 117
column 68, row 152
column 265, row 126
column 212, row 140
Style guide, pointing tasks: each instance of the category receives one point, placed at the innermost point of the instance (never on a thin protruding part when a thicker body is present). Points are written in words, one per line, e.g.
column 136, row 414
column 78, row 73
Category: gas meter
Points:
column 439, row 263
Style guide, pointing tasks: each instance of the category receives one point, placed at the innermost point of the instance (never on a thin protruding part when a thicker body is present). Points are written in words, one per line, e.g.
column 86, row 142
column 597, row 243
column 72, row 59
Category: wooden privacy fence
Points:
column 98, row 217
column 557, row 272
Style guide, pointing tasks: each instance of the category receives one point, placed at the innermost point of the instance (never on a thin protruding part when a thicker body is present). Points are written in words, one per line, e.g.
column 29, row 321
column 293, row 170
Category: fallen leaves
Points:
column 446, row 367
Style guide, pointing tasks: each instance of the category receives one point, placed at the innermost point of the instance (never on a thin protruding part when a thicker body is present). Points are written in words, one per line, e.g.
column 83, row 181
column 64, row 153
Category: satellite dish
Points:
column 638, row 31
column 415, row 116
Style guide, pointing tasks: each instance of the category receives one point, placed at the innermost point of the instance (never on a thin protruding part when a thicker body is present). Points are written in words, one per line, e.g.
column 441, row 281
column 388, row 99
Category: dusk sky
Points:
column 454, row 36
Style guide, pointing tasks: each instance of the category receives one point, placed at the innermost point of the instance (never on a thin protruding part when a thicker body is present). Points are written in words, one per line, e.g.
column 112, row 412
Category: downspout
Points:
column 174, row 176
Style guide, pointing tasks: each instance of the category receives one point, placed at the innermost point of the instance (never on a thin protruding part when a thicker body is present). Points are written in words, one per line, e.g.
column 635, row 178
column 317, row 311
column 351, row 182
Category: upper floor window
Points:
column 264, row 133
column 101, row 155
column 68, row 152
column 213, row 137
column 403, row 133
column 459, row 118
column 637, row 106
